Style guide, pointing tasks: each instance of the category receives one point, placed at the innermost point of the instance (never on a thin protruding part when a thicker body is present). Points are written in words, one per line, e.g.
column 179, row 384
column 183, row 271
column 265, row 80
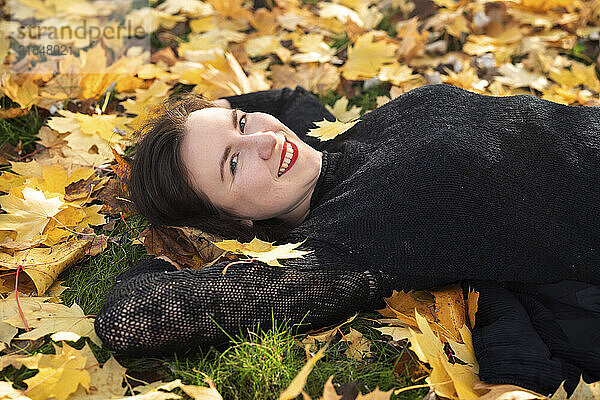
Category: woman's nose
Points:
column 265, row 142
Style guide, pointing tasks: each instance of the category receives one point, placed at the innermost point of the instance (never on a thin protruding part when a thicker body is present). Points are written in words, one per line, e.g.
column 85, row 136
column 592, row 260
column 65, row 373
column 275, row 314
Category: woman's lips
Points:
column 283, row 153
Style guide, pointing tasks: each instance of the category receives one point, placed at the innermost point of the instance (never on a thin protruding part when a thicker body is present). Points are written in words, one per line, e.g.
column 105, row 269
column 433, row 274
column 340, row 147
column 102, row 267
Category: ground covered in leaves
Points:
column 68, row 111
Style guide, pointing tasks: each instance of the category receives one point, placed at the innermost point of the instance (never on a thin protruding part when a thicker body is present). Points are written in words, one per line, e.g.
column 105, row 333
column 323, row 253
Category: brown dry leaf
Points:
column 358, row 346
column 83, row 188
column 122, row 168
column 450, row 307
column 8, row 113
column 472, row 302
column 408, row 364
column 98, row 245
column 402, row 305
column 324, row 334
column 113, row 197
column 188, row 247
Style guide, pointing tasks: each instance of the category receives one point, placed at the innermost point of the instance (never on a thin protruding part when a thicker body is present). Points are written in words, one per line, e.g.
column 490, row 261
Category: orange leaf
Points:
column 122, row 169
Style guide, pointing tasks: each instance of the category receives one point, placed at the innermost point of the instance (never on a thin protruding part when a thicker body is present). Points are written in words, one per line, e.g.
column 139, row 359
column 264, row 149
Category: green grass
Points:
column 261, row 365
column 91, row 279
column 22, row 129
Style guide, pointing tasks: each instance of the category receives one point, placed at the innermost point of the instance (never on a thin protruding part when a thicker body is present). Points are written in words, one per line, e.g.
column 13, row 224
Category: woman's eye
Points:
column 232, row 164
column 243, row 118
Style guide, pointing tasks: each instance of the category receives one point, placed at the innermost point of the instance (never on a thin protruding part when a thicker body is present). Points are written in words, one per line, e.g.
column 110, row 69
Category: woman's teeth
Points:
column 286, row 160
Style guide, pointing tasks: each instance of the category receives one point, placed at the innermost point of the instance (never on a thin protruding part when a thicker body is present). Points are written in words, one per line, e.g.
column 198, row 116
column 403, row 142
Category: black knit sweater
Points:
column 438, row 186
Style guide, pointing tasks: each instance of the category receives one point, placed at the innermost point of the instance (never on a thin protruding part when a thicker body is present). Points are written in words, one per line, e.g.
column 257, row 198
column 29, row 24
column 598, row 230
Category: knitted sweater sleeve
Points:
column 298, row 109
column 156, row 309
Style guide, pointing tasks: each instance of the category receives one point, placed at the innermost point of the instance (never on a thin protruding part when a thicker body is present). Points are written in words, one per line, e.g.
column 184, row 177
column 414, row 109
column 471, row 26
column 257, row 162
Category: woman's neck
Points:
column 296, row 216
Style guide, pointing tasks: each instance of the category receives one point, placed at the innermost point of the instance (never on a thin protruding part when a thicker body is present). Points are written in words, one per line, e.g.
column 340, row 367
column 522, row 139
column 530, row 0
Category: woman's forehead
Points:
column 204, row 142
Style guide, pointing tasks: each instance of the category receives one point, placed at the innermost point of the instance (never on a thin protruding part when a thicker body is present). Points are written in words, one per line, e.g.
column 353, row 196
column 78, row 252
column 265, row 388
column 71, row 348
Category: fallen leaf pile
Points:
column 99, row 90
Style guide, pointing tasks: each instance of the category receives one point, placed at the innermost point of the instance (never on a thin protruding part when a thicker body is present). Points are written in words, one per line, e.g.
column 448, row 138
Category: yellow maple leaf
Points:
column 30, row 215
column 90, row 134
column 25, row 93
column 328, row 130
column 311, row 48
column 231, row 8
column 340, row 110
column 49, row 318
column 399, row 74
column 9, row 180
column 263, row 251
column 105, row 381
column 366, row 57
column 453, row 381
column 579, row 74
column 59, row 375
column 8, row 308
column 413, row 42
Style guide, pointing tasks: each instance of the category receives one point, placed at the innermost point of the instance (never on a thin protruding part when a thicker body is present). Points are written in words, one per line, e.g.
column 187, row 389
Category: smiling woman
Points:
column 438, row 186
column 237, row 159
column 201, row 165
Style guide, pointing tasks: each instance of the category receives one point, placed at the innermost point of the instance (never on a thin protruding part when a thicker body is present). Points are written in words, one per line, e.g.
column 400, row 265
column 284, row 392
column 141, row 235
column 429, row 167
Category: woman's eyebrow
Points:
column 223, row 159
column 234, row 118
column 228, row 148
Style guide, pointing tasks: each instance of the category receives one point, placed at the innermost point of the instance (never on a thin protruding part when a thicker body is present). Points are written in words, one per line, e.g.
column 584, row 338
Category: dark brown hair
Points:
column 159, row 186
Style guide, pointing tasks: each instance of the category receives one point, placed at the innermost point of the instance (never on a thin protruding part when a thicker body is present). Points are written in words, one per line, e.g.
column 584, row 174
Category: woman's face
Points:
column 249, row 147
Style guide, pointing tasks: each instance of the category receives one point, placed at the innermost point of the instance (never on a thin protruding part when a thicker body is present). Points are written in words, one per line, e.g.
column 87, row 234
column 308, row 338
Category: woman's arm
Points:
column 154, row 308
column 298, row 109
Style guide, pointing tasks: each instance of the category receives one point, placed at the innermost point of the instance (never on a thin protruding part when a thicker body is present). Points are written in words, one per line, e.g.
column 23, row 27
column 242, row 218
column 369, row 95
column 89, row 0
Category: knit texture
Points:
column 437, row 186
